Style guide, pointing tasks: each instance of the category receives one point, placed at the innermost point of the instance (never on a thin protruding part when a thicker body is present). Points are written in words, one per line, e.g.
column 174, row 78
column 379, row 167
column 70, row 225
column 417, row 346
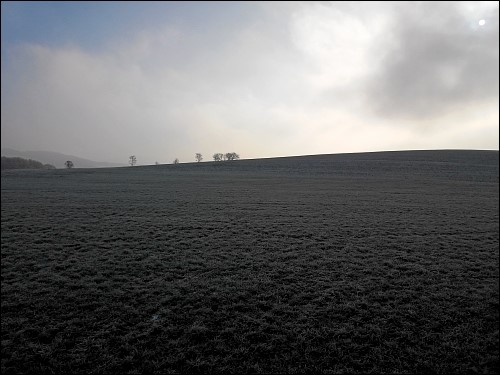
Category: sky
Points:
column 166, row 80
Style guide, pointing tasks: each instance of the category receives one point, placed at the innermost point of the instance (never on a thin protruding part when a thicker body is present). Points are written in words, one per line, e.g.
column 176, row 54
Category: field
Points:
column 359, row 263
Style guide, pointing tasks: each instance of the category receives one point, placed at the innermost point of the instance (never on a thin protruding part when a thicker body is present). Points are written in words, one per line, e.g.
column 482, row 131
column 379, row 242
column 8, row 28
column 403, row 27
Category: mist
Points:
column 259, row 79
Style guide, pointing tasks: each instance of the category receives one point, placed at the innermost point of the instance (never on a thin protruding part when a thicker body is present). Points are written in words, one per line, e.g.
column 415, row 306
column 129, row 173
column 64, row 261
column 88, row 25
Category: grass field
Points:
column 359, row 263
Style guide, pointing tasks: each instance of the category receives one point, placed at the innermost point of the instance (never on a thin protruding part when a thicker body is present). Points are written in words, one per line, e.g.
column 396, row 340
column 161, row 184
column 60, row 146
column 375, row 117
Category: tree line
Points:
column 226, row 156
column 132, row 160
column 218, row 156
column 20, row 163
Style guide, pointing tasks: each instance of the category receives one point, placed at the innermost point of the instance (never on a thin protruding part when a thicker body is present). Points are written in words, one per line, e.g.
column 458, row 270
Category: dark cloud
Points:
column 438, row 58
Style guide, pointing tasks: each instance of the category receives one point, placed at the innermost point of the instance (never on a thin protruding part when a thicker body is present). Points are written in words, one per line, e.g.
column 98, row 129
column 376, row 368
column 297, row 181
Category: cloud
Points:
column 337, row 40
column 439, row 59
column 292, row 79
column 163, row 94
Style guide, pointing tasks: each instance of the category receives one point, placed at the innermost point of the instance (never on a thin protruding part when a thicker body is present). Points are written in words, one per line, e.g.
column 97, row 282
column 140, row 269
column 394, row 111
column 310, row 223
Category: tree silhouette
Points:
column 231, row 156
column 132, row 160
column 176, row 161
column 218, row 157
column 69, row 164
column 198, row 157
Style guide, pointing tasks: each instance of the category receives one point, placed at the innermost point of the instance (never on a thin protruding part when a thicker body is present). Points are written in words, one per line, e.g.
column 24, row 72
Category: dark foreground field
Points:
column 379, row 262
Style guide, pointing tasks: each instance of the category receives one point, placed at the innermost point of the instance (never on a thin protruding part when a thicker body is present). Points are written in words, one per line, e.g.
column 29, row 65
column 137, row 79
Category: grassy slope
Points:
column 383, row 262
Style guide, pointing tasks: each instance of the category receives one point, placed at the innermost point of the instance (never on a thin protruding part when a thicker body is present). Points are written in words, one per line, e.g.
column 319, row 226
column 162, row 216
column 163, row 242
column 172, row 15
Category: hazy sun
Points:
column 482, row 22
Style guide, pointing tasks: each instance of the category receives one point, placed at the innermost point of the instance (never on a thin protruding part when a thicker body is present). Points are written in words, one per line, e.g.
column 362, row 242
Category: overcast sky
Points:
column 167, row 80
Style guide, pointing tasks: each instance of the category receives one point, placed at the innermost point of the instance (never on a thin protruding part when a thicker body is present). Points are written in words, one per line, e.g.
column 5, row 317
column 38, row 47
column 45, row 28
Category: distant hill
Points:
column 57, row 159
column 20, row 163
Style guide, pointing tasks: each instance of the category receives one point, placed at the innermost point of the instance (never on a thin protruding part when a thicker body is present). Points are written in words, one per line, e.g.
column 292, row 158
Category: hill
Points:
column 419, row 164
column 57, row 159
column 20, row 163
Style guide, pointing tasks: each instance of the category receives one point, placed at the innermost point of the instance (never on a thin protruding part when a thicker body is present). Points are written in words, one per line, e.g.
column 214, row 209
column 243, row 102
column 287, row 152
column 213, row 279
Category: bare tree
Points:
column 69, row 164
column 218, row 157
column 231, row 156
column 132, row 160
column 176, row 161
column 198, row 157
